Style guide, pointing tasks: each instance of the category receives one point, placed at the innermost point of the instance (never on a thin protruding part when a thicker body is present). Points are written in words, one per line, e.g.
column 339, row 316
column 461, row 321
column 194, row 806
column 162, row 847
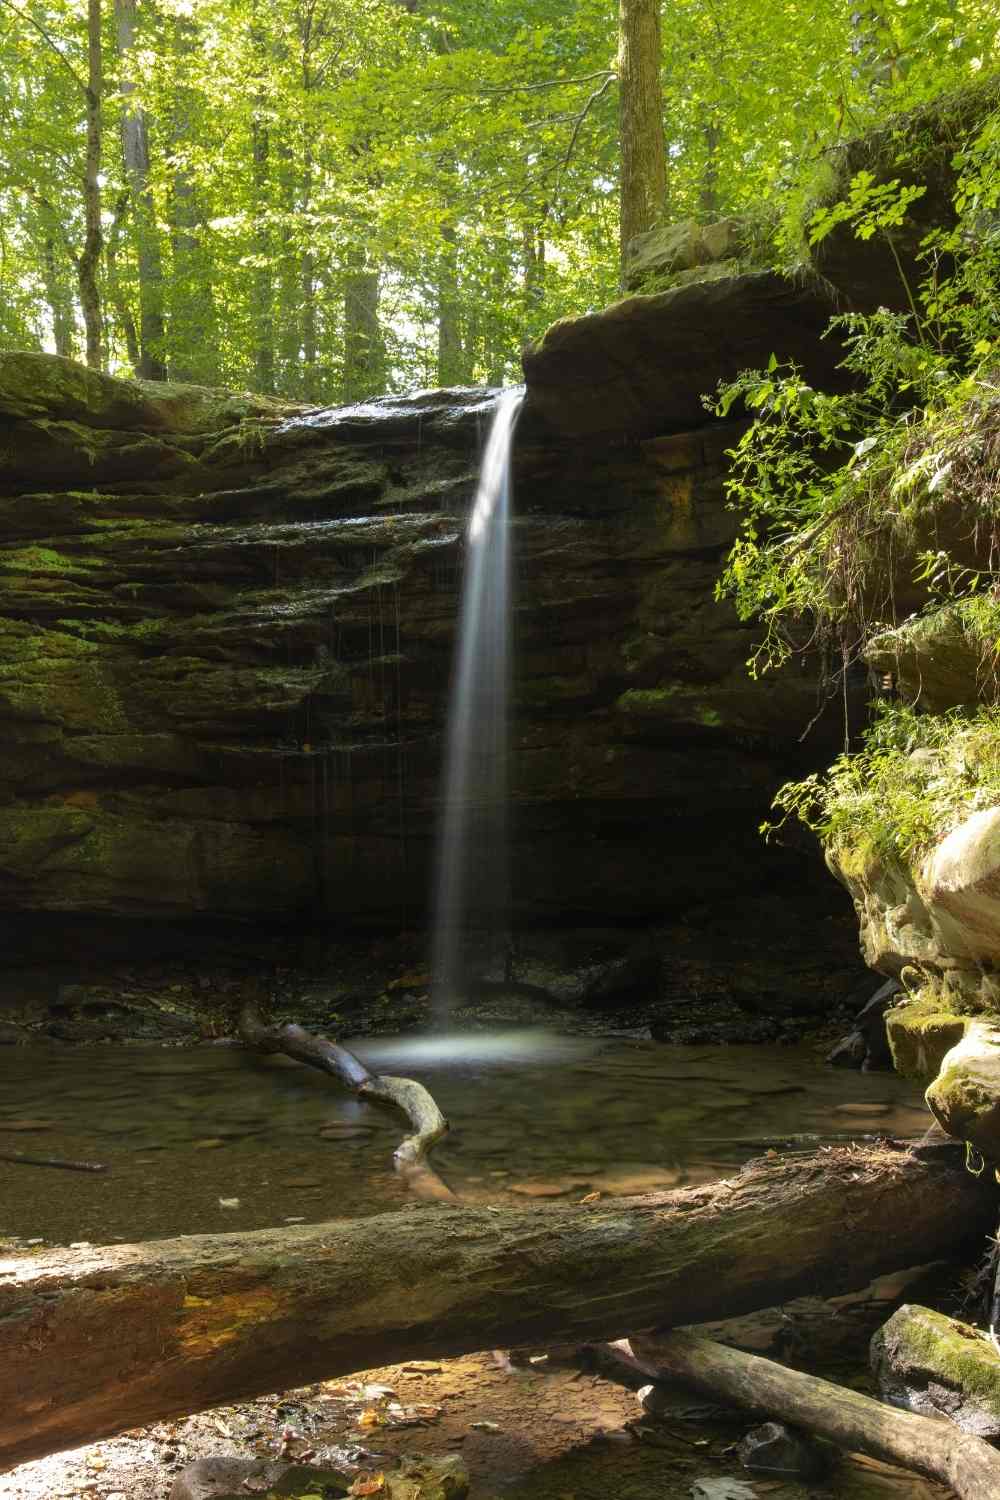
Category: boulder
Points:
column 642, row 366
column 934, row 1365
column 676, row 248
column 776, row 1448
column 959, row 884
column 965, row 1096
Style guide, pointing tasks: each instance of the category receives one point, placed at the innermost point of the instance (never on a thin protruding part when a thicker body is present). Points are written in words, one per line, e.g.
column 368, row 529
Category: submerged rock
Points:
column 233, row 1478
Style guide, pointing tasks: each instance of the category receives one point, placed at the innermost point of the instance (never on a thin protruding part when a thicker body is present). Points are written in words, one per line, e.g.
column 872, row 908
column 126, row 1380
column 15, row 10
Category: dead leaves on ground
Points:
column 377, row 1406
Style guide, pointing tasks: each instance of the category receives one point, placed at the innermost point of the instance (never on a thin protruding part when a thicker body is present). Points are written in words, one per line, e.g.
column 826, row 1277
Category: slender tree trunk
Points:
column 452, row 362
column 708, row 189
column 87, row 264
column 57, row 293
column 288, row 376
column 309, row 325
column 533, row 242
column 116, row 292
column 135, row 151
column 263, row 275
column 193, row 320
column 364, row 345
column 643, row 182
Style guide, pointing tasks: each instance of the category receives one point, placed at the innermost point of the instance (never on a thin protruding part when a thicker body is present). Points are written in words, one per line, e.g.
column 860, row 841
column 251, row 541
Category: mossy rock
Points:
column 921, row 1032
column 916, row 149
column 965, row 1096
column 938, row 1366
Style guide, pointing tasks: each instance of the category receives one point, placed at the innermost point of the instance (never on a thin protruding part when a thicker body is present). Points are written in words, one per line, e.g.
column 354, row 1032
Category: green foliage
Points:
column 915, row 778
column 430, row 186
column 836, row 491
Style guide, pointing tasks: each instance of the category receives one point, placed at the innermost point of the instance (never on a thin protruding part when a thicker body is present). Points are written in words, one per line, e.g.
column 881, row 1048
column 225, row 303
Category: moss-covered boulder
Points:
column 928, row 1363
column 965, row 1095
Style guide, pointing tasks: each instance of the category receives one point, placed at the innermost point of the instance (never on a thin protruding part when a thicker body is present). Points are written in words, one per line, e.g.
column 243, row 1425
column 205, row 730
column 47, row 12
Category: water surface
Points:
column 533, row 1116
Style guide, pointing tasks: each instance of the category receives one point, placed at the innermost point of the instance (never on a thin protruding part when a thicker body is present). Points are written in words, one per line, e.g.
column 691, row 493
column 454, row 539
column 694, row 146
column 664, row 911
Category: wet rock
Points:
column 867, row 1046
column 776, row 1448
column 937, row 1366
column 235, row 1478
column 850, row 1051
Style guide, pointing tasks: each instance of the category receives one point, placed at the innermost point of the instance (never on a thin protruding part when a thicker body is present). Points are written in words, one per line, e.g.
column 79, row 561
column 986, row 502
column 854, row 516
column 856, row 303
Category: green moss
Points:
column 921, row 1032
column 36, row 559
column 950, row 1352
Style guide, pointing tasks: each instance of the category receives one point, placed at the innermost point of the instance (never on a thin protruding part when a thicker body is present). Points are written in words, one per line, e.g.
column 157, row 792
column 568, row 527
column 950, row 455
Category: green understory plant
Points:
column 839, row 492
column 914, row 779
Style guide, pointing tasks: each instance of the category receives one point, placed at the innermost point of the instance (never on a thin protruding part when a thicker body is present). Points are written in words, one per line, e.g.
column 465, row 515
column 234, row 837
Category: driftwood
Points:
column 937, row 1449
column 26, row 1160
column 405, row 1094
column 96, row 1340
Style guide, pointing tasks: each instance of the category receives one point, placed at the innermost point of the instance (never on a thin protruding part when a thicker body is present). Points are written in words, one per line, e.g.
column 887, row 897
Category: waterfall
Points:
column 472, row 877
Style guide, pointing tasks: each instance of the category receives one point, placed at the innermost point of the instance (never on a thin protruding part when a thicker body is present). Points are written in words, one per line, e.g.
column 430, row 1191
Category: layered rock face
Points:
column 227, row 628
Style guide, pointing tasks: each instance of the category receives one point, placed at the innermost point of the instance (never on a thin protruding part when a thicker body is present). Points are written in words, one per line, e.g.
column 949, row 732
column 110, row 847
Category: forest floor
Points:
column 547, row 1428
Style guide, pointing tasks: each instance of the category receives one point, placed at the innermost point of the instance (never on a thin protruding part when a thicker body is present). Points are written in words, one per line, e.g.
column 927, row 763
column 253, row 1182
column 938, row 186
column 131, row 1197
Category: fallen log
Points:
column 24, row 1159
column 99, row 1339
column 926, row 1445
column 404, row 1094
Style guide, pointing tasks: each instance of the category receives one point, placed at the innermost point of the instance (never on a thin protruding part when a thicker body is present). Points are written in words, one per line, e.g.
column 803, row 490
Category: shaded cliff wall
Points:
column 226, row 629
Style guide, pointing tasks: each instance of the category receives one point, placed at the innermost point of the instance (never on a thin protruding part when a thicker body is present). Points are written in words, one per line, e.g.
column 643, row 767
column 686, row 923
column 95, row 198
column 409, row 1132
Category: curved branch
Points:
column 404, row 1094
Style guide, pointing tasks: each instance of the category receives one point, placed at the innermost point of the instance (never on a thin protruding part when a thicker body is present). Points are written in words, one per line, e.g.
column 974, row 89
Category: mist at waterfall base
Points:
column 472, row 896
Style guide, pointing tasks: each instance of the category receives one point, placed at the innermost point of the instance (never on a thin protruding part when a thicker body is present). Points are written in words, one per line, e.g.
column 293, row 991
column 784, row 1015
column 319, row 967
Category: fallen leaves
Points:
column 368, row 1484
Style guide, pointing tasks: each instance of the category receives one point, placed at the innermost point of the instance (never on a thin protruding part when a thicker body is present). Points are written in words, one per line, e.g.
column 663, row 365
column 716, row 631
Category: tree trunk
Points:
column 643, row 182
column 451, row 362
column 90, row 296
column 58, row 296
column 708, row 187
column 364, row 346
column 117, row 294
column 193, row 330
column 533, row 243
column 96, row 1340
column 135, row 152
column 937, row 1449
column 263, row 274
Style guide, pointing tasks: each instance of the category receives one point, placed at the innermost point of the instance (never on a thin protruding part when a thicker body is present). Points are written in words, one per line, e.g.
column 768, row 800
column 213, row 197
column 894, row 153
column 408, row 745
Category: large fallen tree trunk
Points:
column 927, row 1445
column 96, row 1340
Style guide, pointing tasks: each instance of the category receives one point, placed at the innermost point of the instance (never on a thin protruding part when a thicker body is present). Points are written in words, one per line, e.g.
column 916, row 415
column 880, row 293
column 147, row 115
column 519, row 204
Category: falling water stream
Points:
column 472, row 879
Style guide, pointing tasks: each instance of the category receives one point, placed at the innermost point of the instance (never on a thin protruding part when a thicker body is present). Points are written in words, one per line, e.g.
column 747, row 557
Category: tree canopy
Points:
column 332, row 198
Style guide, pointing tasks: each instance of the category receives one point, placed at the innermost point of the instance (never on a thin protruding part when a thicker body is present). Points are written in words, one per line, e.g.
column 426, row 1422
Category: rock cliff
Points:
column 227, row 627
